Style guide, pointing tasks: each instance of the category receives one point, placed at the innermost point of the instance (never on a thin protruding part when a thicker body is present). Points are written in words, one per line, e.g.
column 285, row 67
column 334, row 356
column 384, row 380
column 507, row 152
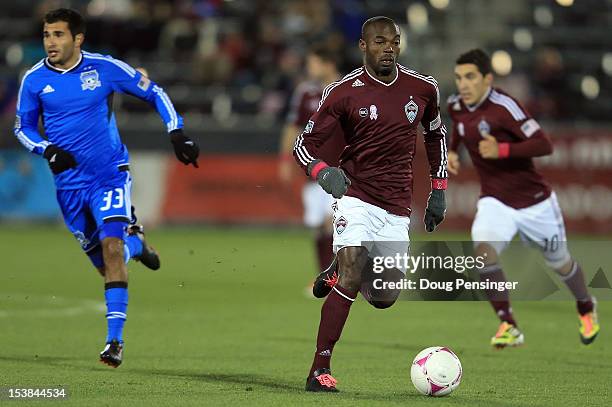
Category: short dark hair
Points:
column 325, row 54
column 76, row 22
column 374, row 20
column 477, row 57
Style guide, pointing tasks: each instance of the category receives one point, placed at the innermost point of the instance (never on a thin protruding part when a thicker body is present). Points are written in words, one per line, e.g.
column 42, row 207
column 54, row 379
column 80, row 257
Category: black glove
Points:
column 186, row 150
column 59, row 160
column 436, row 208
column 332, row 180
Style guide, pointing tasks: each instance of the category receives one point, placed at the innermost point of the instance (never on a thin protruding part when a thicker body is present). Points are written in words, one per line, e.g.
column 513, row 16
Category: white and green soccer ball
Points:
column 436, row 371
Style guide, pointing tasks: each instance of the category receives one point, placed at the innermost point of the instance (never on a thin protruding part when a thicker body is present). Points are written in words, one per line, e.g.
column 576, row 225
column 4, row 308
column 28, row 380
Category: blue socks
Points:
column 116, row 295
column 133, row 246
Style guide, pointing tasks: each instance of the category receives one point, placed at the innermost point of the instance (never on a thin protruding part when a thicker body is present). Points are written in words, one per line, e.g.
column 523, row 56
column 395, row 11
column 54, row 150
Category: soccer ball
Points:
column 436, row 371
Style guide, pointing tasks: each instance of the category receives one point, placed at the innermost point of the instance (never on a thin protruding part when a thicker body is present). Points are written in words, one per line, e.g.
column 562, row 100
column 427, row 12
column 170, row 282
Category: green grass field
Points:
column 225, row 322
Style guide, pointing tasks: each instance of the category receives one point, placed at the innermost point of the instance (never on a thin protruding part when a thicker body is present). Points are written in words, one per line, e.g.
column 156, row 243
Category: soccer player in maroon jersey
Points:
column 322, row 69
column 379, row 107
column 502, row 138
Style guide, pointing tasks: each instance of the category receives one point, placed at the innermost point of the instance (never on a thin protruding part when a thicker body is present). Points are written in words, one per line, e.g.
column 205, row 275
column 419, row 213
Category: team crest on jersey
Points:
column 90, row 80
column 484, row 127
column 363, row 112
column 309, row 127
column 80, row 237
column 340, row 225
column 411, row 109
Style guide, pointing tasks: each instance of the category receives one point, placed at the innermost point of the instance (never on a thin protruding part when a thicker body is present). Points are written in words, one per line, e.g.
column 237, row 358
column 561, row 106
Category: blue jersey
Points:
column 76, row 109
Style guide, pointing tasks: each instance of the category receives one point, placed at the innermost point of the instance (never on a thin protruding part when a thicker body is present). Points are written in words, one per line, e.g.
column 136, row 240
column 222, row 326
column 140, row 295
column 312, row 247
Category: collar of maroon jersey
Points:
column 381, row 82
column 477, row 105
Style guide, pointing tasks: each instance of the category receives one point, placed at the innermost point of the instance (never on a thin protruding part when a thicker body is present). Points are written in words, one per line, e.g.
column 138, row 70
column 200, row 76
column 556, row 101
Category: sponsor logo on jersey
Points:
column 484, row 127
column 90, row 80
column 373, row 112
column 48, row 89
column 411, row 109
column 340, row 225
column 363, row 112
column 530, row 127
column 357, row 83
column 144, row 83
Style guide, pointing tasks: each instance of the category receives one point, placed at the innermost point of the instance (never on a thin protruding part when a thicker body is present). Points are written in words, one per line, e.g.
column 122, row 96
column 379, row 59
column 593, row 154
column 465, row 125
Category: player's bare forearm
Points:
column 290, row 133
column 286, row 164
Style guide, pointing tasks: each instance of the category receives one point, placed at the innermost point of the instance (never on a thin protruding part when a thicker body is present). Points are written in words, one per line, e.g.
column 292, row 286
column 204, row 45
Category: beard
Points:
column 385, row 70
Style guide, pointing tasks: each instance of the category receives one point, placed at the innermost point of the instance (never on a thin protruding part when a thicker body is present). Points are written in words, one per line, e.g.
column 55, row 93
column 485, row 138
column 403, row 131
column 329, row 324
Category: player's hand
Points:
column 333, row 181
column 453, row 164
column 59, row 160
column 186, row 150
column 436, row 209
column 488, row 147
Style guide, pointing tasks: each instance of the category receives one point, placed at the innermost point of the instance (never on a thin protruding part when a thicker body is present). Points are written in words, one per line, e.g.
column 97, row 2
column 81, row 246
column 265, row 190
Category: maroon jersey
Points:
column 380, row 122
column 513, row 180
column 304, row 104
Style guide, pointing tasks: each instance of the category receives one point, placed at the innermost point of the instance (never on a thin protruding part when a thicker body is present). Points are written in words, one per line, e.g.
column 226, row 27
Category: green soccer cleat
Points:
column 507, row 335
column 589, row 327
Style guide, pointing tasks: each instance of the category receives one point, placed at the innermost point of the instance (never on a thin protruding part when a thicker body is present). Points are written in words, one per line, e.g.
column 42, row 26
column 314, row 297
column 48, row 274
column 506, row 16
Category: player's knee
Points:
column 563, row 268
column 112, row 249
column 382, row 299
column 382, row 304
column 487, row 251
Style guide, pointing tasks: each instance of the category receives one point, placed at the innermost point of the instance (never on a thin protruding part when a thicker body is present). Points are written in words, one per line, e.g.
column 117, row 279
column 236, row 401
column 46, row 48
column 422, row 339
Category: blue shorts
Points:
column 87, row 210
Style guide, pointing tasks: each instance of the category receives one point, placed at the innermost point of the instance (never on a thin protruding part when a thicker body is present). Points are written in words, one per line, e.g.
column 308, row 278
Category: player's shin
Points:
column 334, row 314
column 116, row 295
column 573, row 276
column 500, row 300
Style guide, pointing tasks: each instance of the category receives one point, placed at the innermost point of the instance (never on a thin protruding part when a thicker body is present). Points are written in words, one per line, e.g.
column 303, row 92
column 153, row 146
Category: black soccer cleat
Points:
column 149, row 256
column 112, row 355
column 321, row 381
column 326, row 280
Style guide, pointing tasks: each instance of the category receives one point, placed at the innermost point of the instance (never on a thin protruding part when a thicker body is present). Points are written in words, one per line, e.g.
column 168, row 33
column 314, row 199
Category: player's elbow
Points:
column 547, row 146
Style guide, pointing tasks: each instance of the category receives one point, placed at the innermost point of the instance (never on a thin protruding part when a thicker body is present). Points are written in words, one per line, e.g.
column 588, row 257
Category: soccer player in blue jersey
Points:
column 72, row 90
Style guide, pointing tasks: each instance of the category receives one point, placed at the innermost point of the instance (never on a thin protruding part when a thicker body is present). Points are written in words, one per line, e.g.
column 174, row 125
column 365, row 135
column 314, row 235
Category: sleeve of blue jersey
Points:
column 27, row 115
column 128, row 80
